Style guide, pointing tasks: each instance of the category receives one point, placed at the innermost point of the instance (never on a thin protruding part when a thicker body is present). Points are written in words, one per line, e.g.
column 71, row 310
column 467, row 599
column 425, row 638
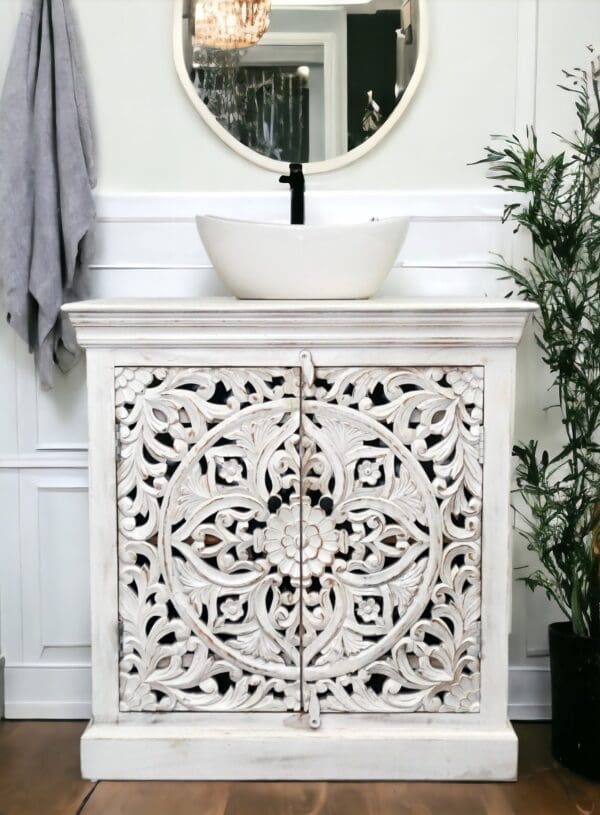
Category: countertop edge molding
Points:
column 227, row 322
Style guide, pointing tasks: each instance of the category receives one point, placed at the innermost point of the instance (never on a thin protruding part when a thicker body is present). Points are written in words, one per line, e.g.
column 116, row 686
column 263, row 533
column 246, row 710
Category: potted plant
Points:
column 559, row 206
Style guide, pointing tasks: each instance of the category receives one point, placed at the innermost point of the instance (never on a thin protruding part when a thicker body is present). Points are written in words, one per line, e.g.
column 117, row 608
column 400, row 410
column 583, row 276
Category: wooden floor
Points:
column 39, row 775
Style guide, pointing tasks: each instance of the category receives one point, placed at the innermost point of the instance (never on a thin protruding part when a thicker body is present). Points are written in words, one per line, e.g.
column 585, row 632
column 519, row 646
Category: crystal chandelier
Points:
column 230, row 23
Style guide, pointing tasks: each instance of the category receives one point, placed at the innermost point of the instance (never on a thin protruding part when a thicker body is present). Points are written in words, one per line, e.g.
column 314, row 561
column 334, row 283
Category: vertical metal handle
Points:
column 308, row 368
column 314, row 710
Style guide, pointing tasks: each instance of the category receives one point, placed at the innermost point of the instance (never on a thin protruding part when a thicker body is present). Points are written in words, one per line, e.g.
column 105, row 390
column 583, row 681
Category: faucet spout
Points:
column 296, row 181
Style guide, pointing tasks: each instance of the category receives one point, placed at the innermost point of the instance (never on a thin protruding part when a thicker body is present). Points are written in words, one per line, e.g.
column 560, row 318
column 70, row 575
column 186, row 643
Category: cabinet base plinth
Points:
column 398, row 752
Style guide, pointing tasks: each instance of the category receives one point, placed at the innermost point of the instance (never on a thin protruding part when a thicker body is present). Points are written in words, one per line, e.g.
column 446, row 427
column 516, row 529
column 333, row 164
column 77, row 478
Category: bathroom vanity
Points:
column 299, row 527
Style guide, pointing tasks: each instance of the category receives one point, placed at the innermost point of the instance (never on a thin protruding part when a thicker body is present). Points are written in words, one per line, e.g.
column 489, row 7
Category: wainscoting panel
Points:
column 50, row 421
column 64, row 405
column 452, row 230
column 149, row 245
column 55, row 566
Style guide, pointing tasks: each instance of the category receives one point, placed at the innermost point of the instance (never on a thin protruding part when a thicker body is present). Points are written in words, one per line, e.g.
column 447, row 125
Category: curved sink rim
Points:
column 372, row 223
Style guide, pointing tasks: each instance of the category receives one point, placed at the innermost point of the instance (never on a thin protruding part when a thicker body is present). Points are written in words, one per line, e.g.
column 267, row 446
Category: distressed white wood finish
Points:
column 393, row 456
column 210, row 619
column 247, row 569
column 217, row 333
column 222, row 323
column 218, row 750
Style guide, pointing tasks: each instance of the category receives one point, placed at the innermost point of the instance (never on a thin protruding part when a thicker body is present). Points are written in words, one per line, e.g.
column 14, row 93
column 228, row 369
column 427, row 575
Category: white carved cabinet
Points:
column 300, row 538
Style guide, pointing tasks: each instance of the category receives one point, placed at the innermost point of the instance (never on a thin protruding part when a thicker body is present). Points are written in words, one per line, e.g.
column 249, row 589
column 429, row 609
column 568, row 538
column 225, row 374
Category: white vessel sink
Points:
column 314, row 262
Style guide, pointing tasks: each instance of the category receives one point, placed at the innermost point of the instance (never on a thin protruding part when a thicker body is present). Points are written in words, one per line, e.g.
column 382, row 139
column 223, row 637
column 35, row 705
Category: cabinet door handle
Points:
column 308, row 368
column 310, row 714
column 314, row 710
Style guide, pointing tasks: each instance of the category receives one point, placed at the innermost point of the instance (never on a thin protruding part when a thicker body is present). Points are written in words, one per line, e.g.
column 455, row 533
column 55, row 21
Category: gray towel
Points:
column 47, row 174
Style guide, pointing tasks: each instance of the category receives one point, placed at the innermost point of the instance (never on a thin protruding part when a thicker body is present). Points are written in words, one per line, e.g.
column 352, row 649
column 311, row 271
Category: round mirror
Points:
column 283, row 81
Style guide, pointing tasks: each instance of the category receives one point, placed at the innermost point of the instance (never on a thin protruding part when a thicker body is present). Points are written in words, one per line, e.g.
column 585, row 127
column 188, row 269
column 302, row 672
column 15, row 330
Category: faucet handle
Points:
column 296, row 176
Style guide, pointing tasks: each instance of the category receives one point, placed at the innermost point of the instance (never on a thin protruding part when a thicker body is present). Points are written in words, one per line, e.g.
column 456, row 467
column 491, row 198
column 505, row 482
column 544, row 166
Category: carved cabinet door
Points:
column 288, row 537
column 209, row 538
column 391, row 527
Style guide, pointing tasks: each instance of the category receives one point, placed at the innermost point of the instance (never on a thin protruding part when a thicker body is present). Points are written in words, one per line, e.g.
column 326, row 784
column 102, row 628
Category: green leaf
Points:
column 561, row 490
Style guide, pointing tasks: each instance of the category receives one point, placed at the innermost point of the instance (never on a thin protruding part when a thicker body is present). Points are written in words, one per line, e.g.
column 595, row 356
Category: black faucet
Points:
column 296, row 181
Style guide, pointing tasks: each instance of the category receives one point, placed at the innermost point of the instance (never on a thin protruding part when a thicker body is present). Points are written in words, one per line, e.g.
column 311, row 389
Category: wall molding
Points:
column 149, row 243
column 51, row 691
column 429, row 205
column 52, row 560
column 527, row 64
column 529, row 692
column 48, row 710
column 62, row 460
column 2, row 664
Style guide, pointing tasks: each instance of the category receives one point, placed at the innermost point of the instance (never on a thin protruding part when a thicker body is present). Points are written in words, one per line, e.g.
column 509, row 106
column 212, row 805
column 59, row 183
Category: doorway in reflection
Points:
column 320, row 82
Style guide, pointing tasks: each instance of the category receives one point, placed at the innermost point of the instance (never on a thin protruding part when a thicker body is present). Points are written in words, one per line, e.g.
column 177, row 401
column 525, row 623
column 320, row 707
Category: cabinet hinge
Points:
column 481, row 452
column 120, row 632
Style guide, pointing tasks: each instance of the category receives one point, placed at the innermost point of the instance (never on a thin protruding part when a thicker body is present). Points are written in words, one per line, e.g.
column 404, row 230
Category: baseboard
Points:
column 47, row 691
column 530, row 712
column 529, row 695
column 48, row 710
column 2, row 661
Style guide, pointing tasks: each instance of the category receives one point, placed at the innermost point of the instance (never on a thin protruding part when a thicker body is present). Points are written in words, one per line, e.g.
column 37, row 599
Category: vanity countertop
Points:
column 380, row 322
column 379, row 305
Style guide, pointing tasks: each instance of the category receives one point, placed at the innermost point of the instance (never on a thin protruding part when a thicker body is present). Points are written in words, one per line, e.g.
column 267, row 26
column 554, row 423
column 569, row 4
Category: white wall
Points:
column 493, row 67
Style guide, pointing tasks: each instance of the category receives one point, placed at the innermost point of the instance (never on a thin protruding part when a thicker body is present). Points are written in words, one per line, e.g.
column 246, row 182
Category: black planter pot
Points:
column 575, row 667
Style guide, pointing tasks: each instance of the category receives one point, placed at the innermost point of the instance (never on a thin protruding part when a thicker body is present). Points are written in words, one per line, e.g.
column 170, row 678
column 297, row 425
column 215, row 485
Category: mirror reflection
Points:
column 318, row 81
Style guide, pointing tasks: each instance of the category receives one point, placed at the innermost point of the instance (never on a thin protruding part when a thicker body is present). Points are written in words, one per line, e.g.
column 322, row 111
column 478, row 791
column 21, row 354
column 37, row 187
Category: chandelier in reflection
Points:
column 230, row 24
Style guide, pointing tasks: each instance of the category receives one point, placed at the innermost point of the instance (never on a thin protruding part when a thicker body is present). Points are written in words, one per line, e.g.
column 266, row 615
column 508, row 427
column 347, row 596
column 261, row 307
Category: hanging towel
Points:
column 47, row 174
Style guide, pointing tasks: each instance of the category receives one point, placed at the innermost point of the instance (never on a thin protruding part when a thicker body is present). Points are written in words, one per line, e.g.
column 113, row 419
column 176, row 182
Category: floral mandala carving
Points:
column 265, row 555
column 309, row 557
